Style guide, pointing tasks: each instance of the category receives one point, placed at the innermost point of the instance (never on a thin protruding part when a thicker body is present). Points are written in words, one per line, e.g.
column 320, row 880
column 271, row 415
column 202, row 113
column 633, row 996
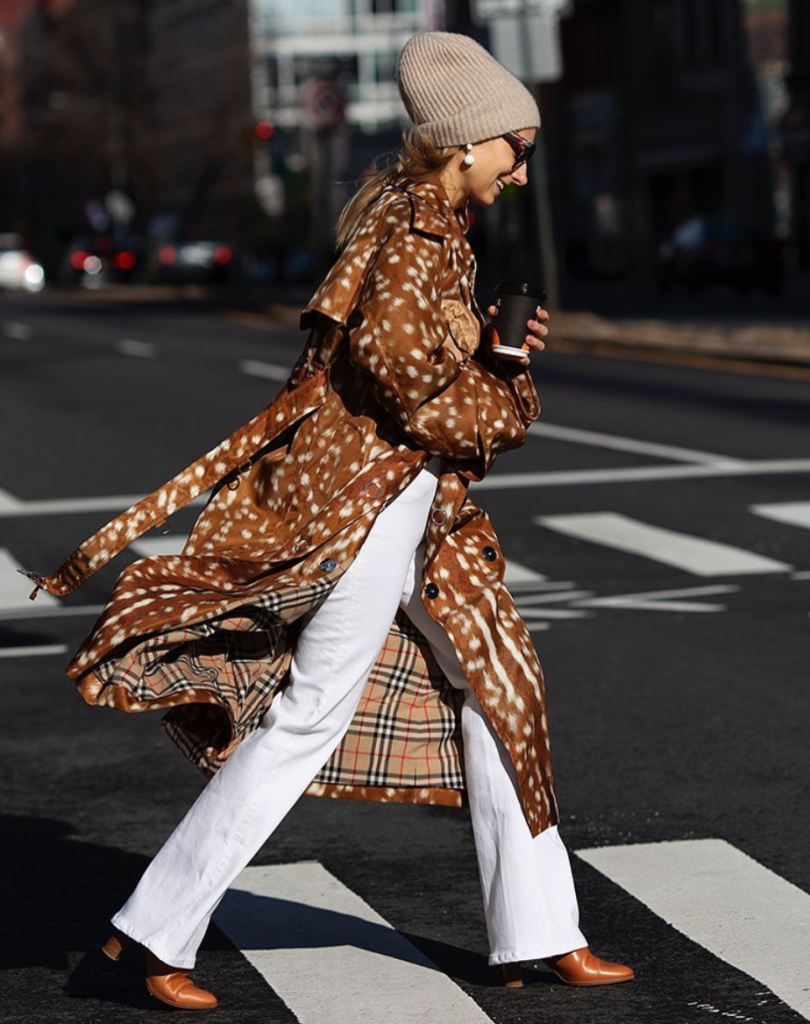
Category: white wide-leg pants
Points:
column 529, row 899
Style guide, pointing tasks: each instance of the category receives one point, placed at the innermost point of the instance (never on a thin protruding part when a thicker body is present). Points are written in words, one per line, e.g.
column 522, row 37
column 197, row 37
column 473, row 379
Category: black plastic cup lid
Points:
column 521, row 288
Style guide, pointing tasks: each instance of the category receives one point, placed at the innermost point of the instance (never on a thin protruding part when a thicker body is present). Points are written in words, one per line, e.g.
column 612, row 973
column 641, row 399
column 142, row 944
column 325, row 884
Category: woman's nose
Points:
column 520, row 175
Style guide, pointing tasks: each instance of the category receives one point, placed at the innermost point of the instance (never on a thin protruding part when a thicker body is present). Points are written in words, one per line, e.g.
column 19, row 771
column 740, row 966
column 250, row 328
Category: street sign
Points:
column 324, row 103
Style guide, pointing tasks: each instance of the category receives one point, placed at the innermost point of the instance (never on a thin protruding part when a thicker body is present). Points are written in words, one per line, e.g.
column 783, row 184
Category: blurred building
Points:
column 796, row 127
column 647, row 128
column 201, row 127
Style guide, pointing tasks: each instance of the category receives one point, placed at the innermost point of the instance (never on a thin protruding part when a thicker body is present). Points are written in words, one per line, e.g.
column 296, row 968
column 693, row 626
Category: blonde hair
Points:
column 419, row 159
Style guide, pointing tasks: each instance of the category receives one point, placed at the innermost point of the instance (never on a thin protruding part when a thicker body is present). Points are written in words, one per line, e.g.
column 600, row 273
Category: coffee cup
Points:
column 517, row 304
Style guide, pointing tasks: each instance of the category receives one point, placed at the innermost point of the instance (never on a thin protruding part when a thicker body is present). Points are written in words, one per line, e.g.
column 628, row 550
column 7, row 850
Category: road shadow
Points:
column 60, row 893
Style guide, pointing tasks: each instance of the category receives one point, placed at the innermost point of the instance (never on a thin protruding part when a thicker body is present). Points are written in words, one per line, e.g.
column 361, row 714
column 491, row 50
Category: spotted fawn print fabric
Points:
column 392, row 371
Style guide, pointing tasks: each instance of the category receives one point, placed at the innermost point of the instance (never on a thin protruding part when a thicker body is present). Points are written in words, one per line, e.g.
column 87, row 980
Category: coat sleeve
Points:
column 448, row 403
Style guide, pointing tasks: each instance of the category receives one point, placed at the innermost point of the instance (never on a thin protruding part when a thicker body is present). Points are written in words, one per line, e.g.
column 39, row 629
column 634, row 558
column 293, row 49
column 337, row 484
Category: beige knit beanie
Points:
column 455, row 89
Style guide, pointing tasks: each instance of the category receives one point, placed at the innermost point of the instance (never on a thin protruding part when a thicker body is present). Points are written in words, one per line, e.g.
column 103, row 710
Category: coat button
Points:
column 300, row 544
column 373, row 488
column 431, row 590
column 328, row 564
column 438, row 515
column 490, row 553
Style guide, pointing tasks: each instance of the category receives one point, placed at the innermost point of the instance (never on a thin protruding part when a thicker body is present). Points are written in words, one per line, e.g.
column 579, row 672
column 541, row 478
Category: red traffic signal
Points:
column 264, row 130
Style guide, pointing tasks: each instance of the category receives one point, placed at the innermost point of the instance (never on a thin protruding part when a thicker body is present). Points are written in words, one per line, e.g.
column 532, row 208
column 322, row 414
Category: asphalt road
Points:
column 657, row 525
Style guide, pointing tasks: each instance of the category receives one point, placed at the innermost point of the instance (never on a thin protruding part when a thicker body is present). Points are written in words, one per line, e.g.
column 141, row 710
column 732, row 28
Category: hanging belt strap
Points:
column 235, row 452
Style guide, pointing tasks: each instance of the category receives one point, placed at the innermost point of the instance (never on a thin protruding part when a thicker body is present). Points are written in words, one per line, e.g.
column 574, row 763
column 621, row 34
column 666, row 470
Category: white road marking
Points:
column 32, row 652
column 722, row 899
column 521, row 574
column 76, row 506
column 9, row 503
column 541, row 614
column 683, row 551
column 794, row 513
column 168, row 544
column 17, row 331
column 15, row 589
column 639, row 474
column 255, row 368
column 629, row 444
column 139, row 349
column 330, row 957
column 803, row 575
column 525, row 588
column 35, row 610
column 663, row 600
column 550, row 598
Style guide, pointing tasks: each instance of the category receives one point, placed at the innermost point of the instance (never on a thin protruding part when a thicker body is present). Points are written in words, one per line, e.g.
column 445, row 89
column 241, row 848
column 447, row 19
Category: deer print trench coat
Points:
column 391, row 374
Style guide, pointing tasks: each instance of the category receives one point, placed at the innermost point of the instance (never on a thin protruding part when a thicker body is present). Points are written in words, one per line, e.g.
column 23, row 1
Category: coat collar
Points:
column 433, row 211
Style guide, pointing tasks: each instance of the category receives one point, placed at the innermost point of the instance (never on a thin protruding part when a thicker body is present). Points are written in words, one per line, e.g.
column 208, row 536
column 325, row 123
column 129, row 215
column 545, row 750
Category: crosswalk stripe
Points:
column 724, row 900
column 330, row 956
column 14, row 588
column 256, row 368
column 628, row 444
column 683, row 551
column 9, row 502
column 794, row 513
column 521, row 574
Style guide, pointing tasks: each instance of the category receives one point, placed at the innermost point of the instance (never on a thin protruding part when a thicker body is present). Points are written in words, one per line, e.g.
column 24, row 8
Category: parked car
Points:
column 96, row 260
column 19, row 271
column 707, row 251
column 198, row 260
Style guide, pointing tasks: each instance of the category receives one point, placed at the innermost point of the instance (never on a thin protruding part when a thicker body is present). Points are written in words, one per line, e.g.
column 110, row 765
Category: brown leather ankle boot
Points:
column 583, row 968
column 173, row 986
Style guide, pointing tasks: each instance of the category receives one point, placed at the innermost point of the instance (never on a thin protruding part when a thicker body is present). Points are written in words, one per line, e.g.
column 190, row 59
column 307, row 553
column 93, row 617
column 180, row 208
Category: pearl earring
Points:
column 469, row 159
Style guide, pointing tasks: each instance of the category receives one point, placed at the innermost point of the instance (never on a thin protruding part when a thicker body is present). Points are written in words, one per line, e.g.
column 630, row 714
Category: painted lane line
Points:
column 159, row 545
column 33, row 612
column 629, row 444
column 525, row 588
column 723, row 900
column 272, row 371
column 550, row 598
column 793, row 513
column 330, row 957
column 682, row 551
column 17, row 331
column 139, row 349
column 541, row 614
column 78, row 506
column 15, row 589
column 803, row 575
column 639, row 474
column 517, row 574
column 33, row 652
column 9, row 503
column 663, row 600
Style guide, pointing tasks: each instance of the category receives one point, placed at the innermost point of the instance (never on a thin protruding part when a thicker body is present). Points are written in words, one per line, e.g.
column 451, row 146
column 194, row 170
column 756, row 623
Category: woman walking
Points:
column 340, row 578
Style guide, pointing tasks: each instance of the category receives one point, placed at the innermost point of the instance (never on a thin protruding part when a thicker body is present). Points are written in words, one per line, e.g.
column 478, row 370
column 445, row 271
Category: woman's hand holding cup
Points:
column 536, row 331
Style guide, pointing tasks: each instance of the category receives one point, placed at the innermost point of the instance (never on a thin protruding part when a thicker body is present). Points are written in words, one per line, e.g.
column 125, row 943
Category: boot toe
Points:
column 582, row 967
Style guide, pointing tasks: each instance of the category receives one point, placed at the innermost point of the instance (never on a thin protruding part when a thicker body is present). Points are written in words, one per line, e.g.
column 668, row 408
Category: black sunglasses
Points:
column 522, row 148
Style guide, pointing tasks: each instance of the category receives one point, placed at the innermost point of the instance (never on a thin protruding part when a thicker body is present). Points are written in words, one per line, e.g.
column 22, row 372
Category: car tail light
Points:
column 222, row 255
column 77, row 260
column 124, row 260
column 168, row 254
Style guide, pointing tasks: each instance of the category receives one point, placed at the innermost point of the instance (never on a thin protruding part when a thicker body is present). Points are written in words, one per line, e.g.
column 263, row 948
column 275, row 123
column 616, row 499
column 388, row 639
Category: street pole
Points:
column 539, row 178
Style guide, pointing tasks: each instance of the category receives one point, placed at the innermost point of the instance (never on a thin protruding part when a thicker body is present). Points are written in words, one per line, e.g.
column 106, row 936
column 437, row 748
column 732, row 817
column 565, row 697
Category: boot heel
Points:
column 115, row 947
column 513, row 975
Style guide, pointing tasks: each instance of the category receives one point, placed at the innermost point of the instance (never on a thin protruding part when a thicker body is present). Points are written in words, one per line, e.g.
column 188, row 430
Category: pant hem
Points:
column 538, row 953
column 153, row 945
